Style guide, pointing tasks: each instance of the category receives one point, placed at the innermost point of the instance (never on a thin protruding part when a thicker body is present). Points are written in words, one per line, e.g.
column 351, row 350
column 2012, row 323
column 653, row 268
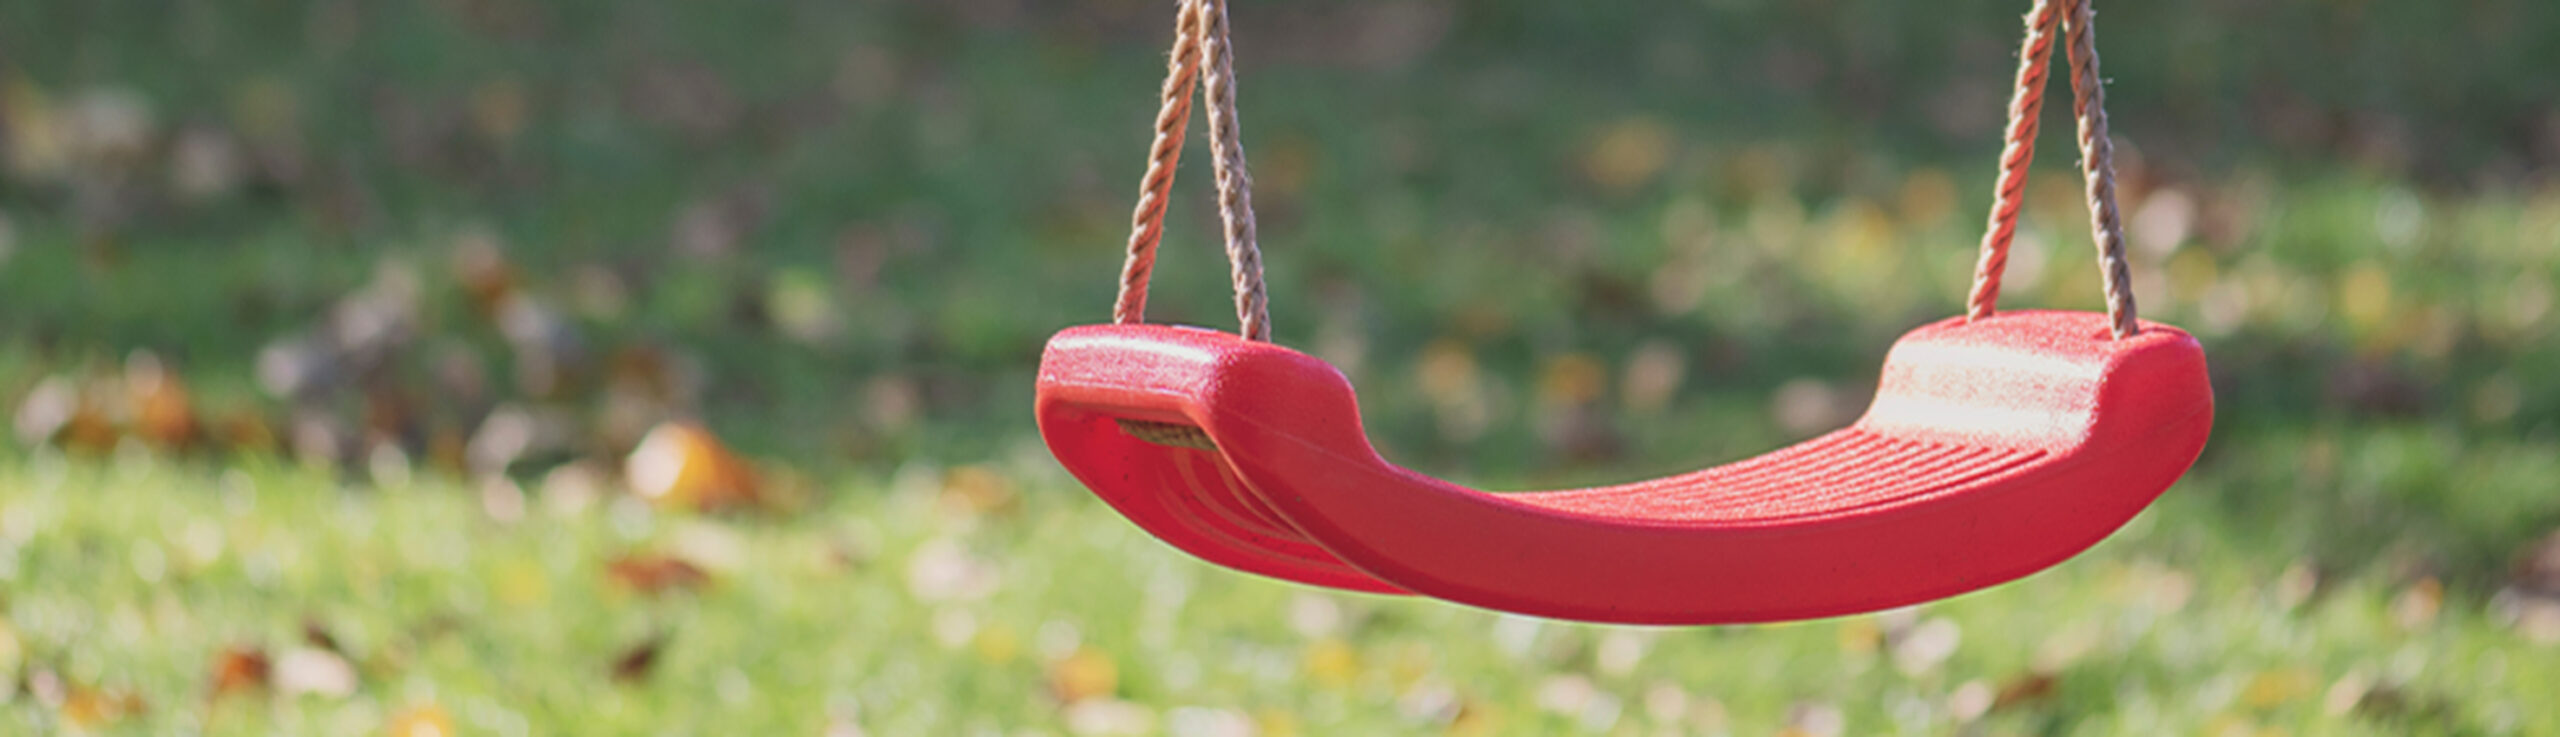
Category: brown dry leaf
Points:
column 316, row 634
column 163, row 415
column 1085, row 674
column 425, row 720
column 655, row 574
column 635, row 663
column 63, row 411
column 681, row 464
column 240, row 668
column 2026, row 689
column 91, row 709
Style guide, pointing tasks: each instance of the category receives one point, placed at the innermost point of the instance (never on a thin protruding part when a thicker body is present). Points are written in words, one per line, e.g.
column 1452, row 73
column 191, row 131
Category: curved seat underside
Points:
column 1995, row 448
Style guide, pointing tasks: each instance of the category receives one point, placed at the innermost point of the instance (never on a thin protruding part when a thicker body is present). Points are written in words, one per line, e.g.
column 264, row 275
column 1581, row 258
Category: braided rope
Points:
column 2076, row 19
column 1202, row 39
column 2026, row 106
column 1146, row 226
column 1235, row 182
column 2097, row 165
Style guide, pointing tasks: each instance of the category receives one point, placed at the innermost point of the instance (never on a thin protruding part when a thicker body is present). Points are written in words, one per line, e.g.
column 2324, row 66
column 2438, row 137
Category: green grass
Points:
column 132, row 573
column 944, row 188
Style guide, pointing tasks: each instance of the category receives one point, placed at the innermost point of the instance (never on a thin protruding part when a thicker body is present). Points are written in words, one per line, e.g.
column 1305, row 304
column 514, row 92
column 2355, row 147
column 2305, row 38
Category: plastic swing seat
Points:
column 1998, row 444
column 1994, row 449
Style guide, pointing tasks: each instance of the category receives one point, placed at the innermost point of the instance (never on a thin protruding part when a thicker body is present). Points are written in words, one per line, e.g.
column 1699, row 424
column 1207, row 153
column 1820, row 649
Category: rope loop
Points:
column 1201, row 47
column 2076, row 19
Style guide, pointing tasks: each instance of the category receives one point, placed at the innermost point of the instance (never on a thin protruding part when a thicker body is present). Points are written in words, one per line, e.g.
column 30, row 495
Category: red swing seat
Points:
column 1995, row 447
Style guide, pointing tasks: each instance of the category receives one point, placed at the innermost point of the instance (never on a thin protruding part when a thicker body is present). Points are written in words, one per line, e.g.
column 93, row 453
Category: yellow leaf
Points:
column 1332, row 662
column 681, row 464
column 1086, row 674
column 420, row 721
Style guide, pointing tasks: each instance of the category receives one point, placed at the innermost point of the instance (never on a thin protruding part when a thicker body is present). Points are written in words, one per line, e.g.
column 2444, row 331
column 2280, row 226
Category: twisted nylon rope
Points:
column 1201, row 39
column 2097, row 160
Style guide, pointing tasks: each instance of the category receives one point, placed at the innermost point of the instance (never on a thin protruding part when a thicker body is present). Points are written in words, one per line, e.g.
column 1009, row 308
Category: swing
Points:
column 1998, row 444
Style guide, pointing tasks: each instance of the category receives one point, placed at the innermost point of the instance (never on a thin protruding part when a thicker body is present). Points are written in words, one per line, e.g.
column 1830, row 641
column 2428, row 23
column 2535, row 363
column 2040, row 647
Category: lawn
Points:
column 339, row 340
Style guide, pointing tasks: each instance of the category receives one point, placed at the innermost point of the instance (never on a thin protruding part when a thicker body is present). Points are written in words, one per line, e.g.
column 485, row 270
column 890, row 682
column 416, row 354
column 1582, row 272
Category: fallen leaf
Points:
column 316, row 634
column 1085, row 674
column 635, row 662
column 681, row 464
column 654, row 574
column 2025, row 689
column 426, row 720
column 240, row 668
column 163, row 415
column 90, row 709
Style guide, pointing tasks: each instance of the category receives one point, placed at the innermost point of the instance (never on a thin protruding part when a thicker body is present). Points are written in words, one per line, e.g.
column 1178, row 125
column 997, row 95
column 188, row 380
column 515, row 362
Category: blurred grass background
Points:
column 334, row 331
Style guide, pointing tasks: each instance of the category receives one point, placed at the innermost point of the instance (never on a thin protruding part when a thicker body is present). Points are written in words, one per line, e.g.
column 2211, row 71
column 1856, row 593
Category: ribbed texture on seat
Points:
column 1844, row 470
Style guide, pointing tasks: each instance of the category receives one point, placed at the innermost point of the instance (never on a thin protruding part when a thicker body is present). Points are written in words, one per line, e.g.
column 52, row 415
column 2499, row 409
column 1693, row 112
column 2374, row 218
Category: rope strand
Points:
column 2026, row 106
column 2097, row 165
column 1235, row 180
column 1146, row 226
